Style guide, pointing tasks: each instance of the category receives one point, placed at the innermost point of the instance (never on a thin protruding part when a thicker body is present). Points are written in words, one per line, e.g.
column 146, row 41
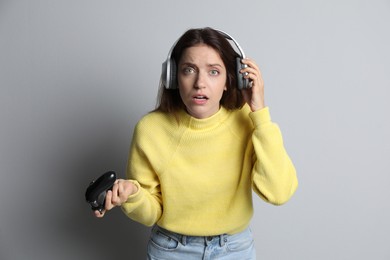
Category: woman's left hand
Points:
column 254, row 96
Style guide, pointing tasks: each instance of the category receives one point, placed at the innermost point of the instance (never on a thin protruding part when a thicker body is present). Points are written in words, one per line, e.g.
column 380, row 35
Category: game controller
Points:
column 97, row 190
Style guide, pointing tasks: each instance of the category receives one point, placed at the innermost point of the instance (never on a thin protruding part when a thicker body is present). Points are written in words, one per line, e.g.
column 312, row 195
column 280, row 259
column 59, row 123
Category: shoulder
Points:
column 154, row 123
column 241, row 116
column 156, row 131
column 155, row 118
column 240, row 122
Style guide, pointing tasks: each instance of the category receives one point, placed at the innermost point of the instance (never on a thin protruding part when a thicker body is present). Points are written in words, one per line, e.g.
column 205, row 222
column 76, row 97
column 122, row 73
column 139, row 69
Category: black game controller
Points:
column 97, row 190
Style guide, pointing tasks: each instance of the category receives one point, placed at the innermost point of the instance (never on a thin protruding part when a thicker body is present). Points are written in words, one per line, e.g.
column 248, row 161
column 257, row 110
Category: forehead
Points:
column 201, row 53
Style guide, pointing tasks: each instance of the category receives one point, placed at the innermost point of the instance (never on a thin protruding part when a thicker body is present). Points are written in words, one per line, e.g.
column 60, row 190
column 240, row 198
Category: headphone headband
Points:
column 225, row 34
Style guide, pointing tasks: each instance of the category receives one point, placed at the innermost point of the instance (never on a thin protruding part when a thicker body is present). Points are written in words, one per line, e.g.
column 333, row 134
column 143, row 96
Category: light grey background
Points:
column 75, row 77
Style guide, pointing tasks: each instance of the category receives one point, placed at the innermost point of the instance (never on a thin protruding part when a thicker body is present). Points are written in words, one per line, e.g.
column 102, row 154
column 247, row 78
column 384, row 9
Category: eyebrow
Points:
column 194, row 65
column 215, row 65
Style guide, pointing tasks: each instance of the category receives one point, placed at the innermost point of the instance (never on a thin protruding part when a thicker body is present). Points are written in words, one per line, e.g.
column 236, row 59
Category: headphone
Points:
column 169, row 68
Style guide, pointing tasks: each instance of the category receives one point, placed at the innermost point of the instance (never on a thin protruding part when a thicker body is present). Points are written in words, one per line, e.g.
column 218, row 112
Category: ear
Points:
column 225, row 88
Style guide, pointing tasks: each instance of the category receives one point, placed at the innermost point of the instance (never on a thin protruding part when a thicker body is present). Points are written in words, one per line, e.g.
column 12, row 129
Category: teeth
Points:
column 200, row 97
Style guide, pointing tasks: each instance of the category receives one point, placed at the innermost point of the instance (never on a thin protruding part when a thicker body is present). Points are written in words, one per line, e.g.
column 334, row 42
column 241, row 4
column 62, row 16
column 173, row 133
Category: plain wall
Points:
column 76, row 76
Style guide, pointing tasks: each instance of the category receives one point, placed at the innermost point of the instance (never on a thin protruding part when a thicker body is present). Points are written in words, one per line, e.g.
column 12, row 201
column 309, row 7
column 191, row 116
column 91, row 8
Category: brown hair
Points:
column 169, row 100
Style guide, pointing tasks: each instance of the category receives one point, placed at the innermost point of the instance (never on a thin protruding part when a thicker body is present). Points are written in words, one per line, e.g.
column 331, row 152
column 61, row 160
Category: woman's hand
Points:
column 120, row 192
column 254, row 96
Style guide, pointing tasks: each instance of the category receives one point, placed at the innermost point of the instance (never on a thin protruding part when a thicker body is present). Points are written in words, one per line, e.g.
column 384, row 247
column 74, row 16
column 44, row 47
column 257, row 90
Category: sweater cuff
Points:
column 260, row 117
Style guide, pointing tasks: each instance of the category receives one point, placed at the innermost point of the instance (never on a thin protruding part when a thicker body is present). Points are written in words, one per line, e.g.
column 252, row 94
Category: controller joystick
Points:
column 97, row 190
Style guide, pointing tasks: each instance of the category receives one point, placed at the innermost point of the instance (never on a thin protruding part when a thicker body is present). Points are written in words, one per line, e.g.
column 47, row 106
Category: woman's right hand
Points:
column 121, row 190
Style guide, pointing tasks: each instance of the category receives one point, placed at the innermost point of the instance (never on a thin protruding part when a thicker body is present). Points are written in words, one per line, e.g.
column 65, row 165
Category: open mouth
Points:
column 201, row 97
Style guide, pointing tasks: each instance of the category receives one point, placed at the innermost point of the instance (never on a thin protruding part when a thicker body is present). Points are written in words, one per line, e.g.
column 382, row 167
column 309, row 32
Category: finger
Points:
column 116, row 201
column 249, row 70
column 254, row 75
column 99, row 214
column 121, row 192
column 252, row 67
column 250, row 63
column 251, row 75
column 109, row 205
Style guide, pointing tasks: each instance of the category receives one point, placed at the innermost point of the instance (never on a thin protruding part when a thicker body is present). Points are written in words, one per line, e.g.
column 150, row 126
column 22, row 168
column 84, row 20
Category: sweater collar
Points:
column 206, row 123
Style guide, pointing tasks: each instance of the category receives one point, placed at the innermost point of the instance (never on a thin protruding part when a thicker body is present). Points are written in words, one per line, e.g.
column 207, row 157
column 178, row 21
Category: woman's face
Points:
column 202, row 80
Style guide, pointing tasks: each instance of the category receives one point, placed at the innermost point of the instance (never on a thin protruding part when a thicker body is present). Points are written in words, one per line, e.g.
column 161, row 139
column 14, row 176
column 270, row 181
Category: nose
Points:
column 200, row 81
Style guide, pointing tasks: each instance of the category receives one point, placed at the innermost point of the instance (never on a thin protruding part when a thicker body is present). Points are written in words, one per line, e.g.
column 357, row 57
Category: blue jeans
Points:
column 167, row 245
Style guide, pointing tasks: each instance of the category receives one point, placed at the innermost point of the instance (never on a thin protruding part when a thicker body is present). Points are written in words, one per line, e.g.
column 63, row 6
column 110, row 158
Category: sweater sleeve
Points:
column 274, row 176
column 145, row 206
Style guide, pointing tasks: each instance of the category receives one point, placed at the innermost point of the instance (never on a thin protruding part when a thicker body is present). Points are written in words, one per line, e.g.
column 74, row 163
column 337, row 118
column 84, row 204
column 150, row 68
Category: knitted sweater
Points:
column 195, row 176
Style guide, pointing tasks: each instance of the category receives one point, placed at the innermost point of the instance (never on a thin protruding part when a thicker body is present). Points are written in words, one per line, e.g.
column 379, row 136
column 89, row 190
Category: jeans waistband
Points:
column 184, row 239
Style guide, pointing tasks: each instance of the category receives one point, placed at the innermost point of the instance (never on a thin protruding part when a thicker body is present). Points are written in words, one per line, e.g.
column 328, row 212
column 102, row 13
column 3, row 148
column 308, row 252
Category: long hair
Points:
column 169, row 100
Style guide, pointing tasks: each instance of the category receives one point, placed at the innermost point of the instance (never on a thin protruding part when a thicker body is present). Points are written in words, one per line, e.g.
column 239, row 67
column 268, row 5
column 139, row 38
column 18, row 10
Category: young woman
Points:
column 195, row 160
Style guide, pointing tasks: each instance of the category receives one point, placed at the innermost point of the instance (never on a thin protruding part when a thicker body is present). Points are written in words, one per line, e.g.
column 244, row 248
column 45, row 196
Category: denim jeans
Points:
column 167, row 245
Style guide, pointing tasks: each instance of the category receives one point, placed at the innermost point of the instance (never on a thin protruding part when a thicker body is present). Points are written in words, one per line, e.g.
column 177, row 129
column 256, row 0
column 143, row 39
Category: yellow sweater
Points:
column 195, row 176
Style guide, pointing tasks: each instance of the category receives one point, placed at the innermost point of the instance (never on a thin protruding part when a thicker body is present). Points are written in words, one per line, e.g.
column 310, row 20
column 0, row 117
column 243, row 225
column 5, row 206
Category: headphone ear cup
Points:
column 173, row 75
column 164, row 74
column 168, row 74
column 242, row 83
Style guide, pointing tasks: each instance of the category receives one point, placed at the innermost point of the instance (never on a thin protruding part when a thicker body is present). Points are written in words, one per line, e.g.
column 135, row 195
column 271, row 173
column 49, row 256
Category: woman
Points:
column 195, row 159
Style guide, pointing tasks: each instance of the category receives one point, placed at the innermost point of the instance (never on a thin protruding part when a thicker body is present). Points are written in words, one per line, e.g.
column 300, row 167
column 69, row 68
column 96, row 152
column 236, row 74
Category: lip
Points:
column 200, row 95
column 200, row 99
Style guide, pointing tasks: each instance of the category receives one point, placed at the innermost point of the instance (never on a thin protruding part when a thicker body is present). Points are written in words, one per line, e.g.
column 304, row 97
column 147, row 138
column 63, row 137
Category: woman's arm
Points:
column 274, row 175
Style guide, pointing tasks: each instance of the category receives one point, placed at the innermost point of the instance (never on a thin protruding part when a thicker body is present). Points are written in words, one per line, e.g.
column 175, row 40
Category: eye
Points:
column 214, row 72
column 188, row 70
